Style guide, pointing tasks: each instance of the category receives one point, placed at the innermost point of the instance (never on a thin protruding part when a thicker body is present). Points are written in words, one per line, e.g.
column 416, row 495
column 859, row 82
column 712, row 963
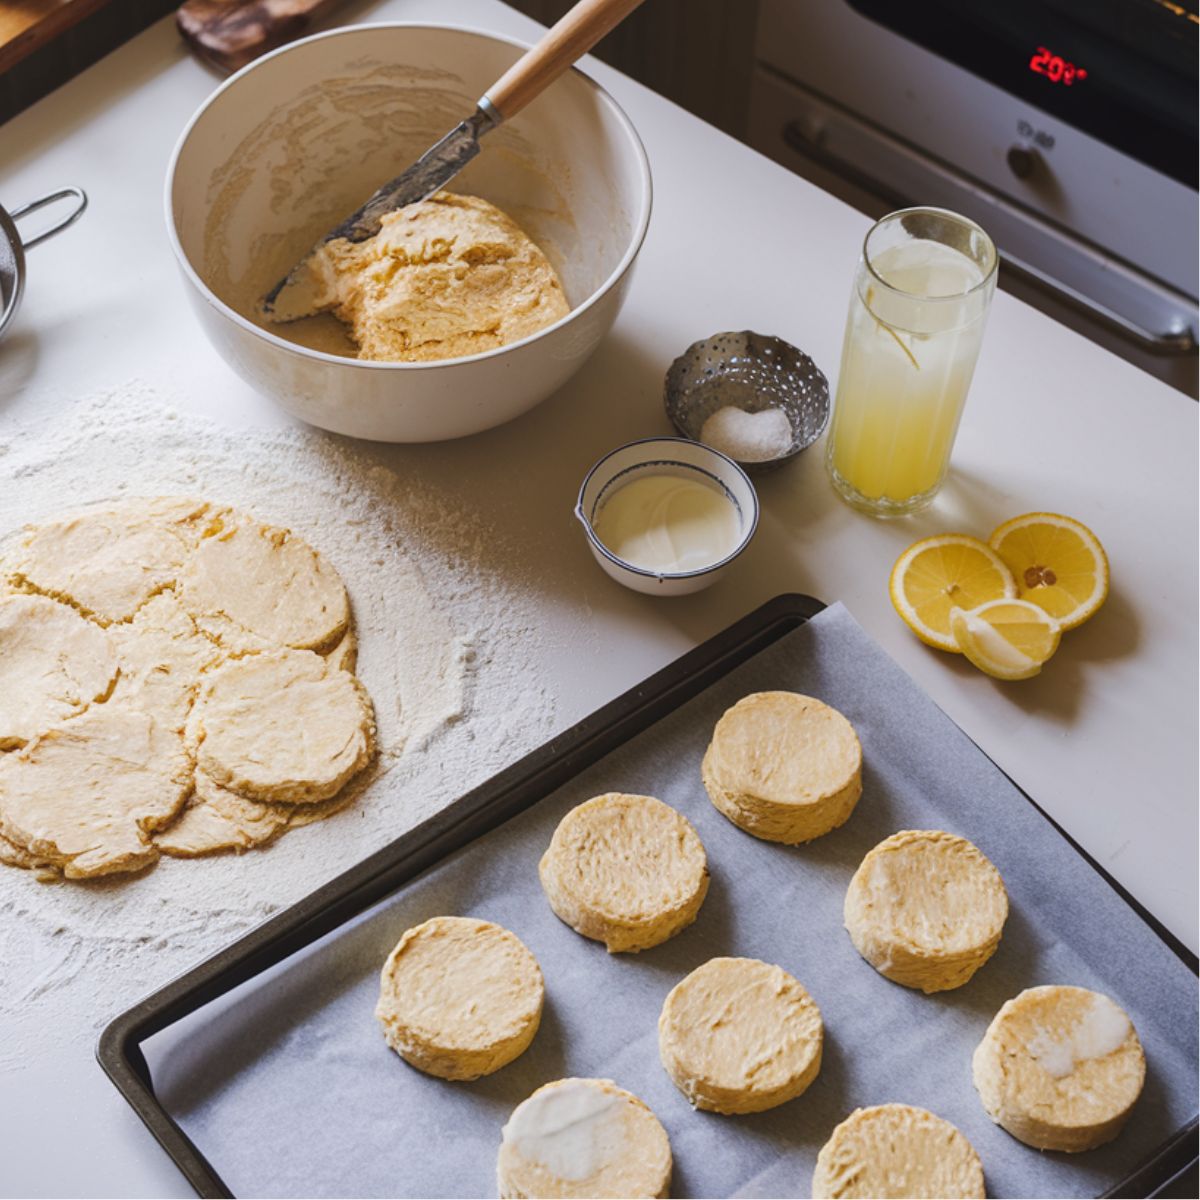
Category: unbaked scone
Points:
column 443, row 278
column 281, row 727
column 784, row 767
column 246, row 578
column 583, row 1138
column 625, row 870
column 1060, row 1068
column 53, row 664
column 459, row 997
column 926, row 909
column 739, row 1036
column 87, row 794
column 896, row 1151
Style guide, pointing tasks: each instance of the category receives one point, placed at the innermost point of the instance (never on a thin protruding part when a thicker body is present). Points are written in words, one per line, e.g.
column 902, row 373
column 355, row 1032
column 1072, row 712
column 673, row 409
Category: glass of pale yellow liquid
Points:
column 921, row 297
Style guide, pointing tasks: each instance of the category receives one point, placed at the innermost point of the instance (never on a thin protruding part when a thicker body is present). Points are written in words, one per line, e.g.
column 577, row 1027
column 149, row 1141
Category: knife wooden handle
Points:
column 570, row 39
column 230, row 33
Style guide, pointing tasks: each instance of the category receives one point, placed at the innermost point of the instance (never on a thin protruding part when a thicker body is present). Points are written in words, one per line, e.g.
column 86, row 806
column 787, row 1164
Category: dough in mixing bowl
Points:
column 444, row 278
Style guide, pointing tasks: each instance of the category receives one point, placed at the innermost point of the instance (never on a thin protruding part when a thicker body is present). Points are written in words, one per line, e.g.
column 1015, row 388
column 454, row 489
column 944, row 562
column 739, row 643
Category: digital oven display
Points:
column 1056, row 68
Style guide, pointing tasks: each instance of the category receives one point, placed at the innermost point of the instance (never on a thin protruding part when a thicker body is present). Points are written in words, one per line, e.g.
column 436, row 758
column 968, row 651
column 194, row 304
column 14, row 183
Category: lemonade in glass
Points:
column 921, row 296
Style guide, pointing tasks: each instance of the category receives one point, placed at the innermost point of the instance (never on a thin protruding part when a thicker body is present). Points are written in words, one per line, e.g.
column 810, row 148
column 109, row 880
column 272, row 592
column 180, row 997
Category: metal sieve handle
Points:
column 33, row 206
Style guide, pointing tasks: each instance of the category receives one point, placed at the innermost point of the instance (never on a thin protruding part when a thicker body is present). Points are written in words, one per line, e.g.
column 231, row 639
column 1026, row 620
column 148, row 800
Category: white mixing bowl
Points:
column 295, row 141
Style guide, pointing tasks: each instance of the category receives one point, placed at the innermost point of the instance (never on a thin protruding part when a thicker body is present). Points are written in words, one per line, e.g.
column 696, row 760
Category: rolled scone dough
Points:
column 583, row 1138
column 443, row 278
column 256, row 579
column 459, row 997
column 926, row 909
column 108, row 560
column 626, row 870
column 104, row 650
column 87, row 794
column 1060, row 1068
column 53, row 664
column 281, row 727
column 738, row 1036
column 896, row 1151
column 784, row 767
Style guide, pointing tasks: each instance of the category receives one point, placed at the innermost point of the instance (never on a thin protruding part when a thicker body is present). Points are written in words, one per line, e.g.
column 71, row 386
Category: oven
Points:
column 1067, row 128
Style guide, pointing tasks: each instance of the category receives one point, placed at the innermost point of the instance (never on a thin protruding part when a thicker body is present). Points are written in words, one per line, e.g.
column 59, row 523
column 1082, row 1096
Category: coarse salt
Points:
column 748, row 436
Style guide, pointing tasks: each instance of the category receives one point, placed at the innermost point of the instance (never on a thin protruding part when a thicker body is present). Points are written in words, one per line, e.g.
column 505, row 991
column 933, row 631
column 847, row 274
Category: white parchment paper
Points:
column 288, row 1088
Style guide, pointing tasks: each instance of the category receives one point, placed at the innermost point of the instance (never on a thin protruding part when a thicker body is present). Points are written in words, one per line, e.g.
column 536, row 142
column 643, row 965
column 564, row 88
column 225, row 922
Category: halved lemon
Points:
column 1058, row 564
column 937, row 574
column 1007, row 639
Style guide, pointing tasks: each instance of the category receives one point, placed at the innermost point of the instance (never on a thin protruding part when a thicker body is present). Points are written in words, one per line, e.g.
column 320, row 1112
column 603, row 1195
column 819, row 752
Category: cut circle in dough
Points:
column 108, row 560
column 283, row 727
column 784, row 767
column 1060, row 1068
column 897, row 1151
column 926, row 909
column 739, row 1036
column 625, row 870
column 460, row 997
column 53, row 664
column 580, row 1138
column 249, row 578
column 87, row 794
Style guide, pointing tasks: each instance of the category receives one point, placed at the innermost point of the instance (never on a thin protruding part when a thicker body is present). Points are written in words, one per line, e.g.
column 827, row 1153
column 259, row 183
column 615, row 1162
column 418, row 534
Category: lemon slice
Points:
column 940, row 573
column 1007, row 639
column 1058, row 564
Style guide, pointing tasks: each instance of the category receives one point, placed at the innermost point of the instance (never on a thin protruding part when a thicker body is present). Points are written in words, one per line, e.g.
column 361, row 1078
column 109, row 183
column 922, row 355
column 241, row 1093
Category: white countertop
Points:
column 1104, row 740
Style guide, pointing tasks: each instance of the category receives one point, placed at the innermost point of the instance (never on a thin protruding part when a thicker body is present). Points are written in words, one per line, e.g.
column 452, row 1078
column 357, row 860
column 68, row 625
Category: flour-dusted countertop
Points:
column 1104, row 740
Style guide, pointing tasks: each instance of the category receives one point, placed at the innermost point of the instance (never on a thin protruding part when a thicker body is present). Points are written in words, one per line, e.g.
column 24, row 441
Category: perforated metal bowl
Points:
column 12, row 248
column 753, row 372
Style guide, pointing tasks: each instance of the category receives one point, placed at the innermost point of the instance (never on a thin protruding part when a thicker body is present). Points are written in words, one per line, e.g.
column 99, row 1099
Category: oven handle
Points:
column 1170, row 343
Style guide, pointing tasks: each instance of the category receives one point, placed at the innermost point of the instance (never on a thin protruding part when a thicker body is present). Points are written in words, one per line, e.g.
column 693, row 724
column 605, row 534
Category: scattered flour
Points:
column 444, row 649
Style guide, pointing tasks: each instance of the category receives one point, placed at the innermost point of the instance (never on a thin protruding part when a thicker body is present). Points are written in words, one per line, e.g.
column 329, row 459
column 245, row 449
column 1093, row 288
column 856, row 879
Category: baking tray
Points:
column 255, row 960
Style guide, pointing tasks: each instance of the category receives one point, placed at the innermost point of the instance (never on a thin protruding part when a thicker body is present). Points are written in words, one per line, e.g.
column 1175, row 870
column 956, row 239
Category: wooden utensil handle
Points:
column 230, row 33
column 570, row 39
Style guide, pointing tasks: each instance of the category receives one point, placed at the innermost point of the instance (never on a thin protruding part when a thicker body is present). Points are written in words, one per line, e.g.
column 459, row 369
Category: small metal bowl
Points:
column 753, row 372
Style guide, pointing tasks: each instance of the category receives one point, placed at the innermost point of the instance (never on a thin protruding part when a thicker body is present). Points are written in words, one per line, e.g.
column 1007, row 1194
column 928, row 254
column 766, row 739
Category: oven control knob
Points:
column 1022, row 161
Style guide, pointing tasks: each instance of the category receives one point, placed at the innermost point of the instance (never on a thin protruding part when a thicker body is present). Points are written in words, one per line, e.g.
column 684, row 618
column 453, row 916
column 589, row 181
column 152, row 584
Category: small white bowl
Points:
column 286, row 147
column 665, row 456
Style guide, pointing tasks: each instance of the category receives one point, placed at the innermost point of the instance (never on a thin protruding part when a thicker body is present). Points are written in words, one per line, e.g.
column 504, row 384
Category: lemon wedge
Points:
column 1007, row 639
column 1058, row 564
column 938, row 574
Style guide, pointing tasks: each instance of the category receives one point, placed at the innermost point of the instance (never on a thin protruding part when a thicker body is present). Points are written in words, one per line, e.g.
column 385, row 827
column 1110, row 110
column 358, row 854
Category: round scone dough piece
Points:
column 897, row 1151
column 108, row 560
column 86, row 795
column 459, row 997
column 53, row 664
column 625, row 870
column 283, row 727
column 739, row 1036
column 583, row 1138
column 784, row 767
column 249, row 578
column 1060, row 1068
column 926, row 909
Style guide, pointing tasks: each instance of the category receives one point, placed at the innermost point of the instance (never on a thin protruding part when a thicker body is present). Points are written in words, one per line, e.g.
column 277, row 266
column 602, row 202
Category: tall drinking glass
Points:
column 921, row 297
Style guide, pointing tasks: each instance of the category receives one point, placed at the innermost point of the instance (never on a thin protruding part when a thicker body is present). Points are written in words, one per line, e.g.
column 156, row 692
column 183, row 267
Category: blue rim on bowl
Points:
column 747, row 510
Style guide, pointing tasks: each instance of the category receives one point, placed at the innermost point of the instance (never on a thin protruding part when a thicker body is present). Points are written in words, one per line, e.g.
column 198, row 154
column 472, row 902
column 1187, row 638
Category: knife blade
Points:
column 294, row 296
